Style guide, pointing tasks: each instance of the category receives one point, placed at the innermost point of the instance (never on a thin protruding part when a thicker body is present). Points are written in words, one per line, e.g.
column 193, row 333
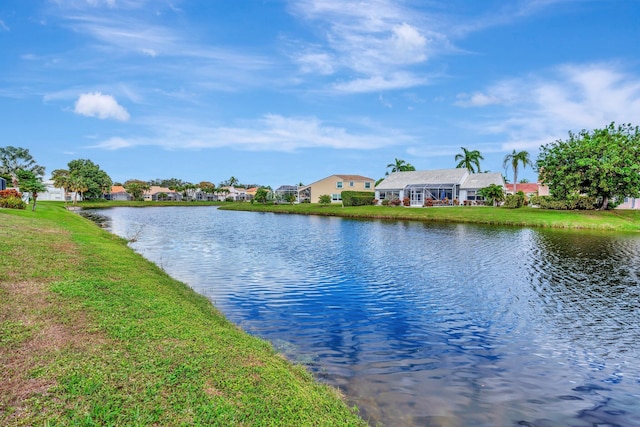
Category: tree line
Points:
column 602, row 165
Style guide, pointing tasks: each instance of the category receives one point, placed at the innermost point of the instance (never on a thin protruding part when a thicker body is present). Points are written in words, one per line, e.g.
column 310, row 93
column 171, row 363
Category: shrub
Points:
column 324, row 199
column 456, row 202
column 12, row 202
column 406, row 201
column 547, row 202
column 395, row 202
column 514, row 201
column 374, row 201
column 385, row 202
column 357, row 198
column 12, row 192
column 428, row 202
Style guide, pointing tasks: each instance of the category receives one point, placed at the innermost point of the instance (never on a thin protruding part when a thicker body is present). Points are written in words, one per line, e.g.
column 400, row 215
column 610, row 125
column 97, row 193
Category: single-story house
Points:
column 529, row 189
column 53, row 193
column 334, row 185
column 442, row 184
column 118, row 193
column 155, row 193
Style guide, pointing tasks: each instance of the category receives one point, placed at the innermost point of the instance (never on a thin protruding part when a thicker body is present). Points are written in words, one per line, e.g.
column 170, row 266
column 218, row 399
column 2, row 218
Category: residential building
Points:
column 118, row 193
column 155, row 193
column 334, row 185
column 436, row 185
column 529, row 189
column 3, row 184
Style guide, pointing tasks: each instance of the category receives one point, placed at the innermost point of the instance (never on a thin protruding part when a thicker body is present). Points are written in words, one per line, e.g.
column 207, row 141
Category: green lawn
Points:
column 93, row 334
column 613, row 220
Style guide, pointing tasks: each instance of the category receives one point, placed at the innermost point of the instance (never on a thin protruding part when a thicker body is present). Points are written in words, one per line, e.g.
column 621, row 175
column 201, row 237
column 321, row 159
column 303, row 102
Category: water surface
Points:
column 422, row 324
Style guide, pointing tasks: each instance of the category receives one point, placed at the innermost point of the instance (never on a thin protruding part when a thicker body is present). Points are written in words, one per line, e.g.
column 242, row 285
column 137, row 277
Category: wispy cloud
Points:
column 271, row 132
column 377, row 39
column 101, row 106
column 542, row 108
column 4, row 26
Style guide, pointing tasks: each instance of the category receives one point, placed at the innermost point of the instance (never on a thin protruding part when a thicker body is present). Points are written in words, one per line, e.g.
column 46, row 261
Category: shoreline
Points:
column 92, row 332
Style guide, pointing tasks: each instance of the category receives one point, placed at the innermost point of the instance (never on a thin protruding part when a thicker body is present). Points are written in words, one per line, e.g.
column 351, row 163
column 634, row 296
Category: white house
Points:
column 442, row 184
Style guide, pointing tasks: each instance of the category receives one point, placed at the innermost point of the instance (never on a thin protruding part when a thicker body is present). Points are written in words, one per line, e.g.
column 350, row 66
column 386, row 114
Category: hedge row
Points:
column 357, row 198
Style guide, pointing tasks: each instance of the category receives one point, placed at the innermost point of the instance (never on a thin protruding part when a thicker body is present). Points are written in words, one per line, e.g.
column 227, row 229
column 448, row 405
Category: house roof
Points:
column 154, row 189
column 459, row 176
column 528, row 187
column 118, row 189
column 481, row 180
column 398, row 180
column 354, row 177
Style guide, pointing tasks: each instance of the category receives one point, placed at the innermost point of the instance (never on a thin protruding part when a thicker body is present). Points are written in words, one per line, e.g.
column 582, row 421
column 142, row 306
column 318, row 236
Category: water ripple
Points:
column 423, row 324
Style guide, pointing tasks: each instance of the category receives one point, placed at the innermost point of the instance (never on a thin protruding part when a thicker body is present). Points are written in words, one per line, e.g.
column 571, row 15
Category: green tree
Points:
column 469, row 159
column 30, row 183
column 96, row 180
column 602, row 163
column 324, row 200
column 14, row 159
column 62, row 179
column 136, row 188
column 261, row 195
column 207, row 187
column 514, row 160
column 493, row 194
column 400, row 165
column 78, row 185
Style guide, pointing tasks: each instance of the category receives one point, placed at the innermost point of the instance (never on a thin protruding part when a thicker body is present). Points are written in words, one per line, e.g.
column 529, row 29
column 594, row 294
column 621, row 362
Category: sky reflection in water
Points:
column 422, row 324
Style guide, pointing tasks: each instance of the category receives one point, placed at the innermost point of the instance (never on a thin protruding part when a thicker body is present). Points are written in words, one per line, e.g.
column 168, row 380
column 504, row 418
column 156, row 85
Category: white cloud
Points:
column 376, row 39
column 541, row 109
column 271, row 132
column 3, row 26
column 380, row 83
column 96, row 104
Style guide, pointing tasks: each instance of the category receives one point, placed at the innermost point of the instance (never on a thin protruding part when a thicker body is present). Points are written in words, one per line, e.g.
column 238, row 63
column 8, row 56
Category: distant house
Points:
column 333, row 186
column 441, row 185
column 155, row 193
column 118, row 193
column 529, row 189
column 3, row 184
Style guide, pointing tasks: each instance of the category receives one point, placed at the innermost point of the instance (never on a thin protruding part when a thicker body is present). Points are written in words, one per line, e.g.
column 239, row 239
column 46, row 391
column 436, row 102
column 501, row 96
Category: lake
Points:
column 422, row 324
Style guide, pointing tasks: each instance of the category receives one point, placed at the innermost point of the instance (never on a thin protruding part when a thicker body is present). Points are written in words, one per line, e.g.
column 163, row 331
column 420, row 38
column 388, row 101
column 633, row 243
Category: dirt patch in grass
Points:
column 34, row 332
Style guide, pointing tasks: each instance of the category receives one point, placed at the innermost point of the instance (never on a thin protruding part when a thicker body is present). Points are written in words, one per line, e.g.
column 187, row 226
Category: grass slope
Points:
column 614, row 220
column 93, row 334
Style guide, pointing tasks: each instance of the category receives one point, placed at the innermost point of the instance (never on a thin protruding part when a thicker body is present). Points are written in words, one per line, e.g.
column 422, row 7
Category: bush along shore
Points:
column 91, row 333
column 611, row 220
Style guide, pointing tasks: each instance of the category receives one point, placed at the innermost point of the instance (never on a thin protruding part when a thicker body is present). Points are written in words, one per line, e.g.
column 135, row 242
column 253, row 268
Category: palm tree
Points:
column 514, row 159
column 77, row 184
column 400, row 166
column 61, row 179
column 468, row 159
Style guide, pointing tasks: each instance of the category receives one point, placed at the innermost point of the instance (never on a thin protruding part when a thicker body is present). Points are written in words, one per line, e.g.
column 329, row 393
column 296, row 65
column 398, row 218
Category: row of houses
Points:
column 417, row 186
column 156, row 193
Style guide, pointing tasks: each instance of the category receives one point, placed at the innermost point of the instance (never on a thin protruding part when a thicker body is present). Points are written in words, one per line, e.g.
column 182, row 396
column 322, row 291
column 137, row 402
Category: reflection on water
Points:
column 419, row 324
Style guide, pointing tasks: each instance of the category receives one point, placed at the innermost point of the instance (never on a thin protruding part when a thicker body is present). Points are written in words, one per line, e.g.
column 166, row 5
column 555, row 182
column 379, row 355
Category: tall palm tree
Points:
column 62, row 179
column 514, row 159
column 469, row 159
column 400, row 166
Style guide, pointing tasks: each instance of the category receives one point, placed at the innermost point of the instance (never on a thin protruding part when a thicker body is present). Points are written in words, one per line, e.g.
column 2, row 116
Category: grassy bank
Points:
column 93, row 334
column 615, row 220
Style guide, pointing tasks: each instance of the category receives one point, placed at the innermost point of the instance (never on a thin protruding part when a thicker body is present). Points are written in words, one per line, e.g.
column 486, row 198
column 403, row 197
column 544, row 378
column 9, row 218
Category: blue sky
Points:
column 286, row 91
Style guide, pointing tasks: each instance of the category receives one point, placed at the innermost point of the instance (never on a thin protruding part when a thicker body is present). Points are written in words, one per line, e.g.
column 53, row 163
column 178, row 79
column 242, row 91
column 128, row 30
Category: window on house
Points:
column 336, row 197
column 339, row 184
column 367, row 185
column 350, row 183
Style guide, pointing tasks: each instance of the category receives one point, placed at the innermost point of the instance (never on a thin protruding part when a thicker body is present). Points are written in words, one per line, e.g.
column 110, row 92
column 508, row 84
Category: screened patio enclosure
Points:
column 419, row 193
